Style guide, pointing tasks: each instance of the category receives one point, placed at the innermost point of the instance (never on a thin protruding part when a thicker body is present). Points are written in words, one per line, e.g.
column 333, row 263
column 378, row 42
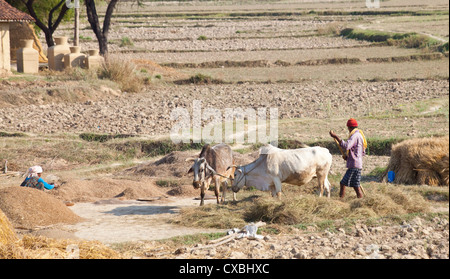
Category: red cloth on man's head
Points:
column 352, row 123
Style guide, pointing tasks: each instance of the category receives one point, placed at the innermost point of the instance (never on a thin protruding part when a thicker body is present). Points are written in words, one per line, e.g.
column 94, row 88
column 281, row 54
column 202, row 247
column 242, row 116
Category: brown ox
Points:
column 211, row 165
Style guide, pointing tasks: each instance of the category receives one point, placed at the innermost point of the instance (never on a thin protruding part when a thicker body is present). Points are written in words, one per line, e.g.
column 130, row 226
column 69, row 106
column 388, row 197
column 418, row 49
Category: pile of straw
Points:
column 303, row 209
column 420, row 161
column 7, row 233
column 40, row 247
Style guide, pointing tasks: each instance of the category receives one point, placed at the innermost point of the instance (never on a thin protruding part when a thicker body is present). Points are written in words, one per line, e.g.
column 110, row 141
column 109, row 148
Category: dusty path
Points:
column 115, row 221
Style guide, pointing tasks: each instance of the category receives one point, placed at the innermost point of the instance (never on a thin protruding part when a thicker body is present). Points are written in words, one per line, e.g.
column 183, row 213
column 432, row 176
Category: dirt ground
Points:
column 418, row 239
column 146, row 113
column 116, row 221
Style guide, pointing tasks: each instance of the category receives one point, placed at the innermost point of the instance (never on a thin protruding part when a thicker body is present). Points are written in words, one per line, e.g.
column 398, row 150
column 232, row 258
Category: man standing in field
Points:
column 356, row 148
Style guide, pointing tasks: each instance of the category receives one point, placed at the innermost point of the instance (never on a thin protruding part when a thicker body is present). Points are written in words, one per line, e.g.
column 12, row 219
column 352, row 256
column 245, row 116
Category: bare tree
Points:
column 47, row 8
column 100, row 32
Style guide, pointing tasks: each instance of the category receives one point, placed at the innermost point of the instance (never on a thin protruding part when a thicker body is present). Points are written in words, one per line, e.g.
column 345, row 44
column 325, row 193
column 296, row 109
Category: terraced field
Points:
column 284, row 42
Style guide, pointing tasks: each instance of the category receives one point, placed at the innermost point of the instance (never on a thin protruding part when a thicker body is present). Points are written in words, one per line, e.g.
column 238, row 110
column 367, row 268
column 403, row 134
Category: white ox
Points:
column 294, row 166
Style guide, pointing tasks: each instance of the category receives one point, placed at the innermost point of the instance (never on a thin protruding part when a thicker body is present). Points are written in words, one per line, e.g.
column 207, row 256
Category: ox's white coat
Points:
column 294, row 166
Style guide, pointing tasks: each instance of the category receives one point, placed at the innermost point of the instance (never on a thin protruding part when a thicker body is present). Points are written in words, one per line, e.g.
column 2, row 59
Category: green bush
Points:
column 373, row 35
column 407, row 40
column 125, row 41
column 154, row 148
column 101, row 137
column 443, row 47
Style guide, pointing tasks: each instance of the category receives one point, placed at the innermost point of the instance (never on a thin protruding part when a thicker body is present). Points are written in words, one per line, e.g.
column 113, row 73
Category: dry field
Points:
column 106, row 142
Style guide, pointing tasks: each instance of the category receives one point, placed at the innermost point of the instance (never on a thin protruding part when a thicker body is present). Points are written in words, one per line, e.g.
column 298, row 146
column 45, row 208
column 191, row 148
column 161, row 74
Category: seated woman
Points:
column 34, row 179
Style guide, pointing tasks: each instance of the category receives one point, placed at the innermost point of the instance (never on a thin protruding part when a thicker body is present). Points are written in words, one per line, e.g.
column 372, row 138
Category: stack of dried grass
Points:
column 420, row 161
column 296, row 209
column 7, row 233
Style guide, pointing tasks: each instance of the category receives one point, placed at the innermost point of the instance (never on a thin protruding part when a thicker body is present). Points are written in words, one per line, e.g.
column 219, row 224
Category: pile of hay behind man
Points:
column 420, row 161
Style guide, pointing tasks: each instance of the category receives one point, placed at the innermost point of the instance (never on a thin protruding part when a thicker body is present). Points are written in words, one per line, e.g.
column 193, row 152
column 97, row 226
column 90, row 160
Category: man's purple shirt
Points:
column 355, row 145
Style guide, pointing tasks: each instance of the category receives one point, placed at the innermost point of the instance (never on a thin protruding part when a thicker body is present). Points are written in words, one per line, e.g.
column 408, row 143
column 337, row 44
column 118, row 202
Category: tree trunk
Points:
column 100, row 33
column 103, row 46
column 48, row 37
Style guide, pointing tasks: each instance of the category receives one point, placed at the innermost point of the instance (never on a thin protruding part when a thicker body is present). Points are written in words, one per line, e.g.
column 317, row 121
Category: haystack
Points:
column 420, row 161
column 7, row 234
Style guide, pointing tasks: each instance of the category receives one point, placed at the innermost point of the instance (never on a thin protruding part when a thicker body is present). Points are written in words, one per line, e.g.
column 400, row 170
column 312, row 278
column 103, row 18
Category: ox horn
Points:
column 210, row 168
column 189, row 160
column 232, row 166
column 215, row 172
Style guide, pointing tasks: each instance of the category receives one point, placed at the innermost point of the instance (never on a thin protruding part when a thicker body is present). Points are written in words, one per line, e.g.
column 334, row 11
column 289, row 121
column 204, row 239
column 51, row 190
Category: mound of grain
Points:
column 28, row 208
column 79, row 190
column 420, row 161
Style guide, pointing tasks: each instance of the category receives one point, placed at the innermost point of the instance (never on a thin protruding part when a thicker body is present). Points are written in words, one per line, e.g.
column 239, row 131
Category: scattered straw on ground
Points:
column 40, row 247
column 302, row 208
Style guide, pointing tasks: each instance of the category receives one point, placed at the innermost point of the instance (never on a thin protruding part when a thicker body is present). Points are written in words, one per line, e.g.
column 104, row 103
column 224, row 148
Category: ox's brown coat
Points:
column 219, row 158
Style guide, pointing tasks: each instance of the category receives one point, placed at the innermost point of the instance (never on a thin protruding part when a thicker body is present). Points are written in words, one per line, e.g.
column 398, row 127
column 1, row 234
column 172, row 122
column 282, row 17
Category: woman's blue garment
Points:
column 40, row 180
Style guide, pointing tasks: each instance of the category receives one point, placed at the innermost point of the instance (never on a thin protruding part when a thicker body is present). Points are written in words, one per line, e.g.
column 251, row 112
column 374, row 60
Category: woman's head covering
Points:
column 33, row 171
